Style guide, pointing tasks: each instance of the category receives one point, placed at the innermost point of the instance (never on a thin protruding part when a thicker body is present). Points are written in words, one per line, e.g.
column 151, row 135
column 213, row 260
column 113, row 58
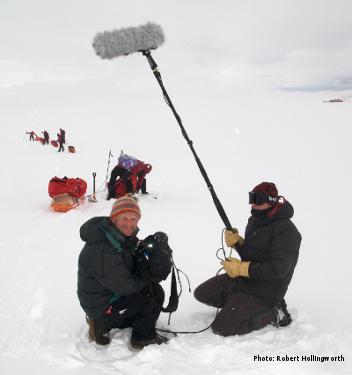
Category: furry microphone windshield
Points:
column 111, row 44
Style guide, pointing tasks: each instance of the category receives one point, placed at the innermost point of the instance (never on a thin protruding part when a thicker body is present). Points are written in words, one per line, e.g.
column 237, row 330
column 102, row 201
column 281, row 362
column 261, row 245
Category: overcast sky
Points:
column 286, row 44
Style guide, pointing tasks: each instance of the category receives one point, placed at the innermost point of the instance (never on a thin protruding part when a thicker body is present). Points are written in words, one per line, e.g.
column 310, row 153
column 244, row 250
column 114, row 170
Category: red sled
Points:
column 39, row 139
column 54, row 143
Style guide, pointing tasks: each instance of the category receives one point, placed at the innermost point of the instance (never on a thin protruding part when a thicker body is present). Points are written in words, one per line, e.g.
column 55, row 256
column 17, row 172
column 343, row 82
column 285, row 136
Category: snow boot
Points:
column 140, row 343
column 282, row 317
column 97, row 333
column 144, row 187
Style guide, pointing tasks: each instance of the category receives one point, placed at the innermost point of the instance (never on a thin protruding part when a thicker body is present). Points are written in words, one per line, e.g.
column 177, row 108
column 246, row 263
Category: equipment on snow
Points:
column 108, row 166
column 67, row 193
column 54, row 143
column 71, row 149
column 93, row 197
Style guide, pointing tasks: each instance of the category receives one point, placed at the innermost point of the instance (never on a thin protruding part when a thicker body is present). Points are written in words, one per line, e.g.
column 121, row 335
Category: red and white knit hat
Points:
column 125, row 204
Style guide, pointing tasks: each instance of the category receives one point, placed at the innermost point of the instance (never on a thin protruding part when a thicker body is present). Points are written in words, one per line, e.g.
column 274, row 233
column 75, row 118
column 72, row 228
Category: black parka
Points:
column 105, row 272
column 272, row 246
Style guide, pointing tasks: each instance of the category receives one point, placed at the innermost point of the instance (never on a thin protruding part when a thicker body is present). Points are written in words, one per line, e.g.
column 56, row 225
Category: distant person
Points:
column 60, row 142
column 46, row 137
column 111, row 288
column 63, row 135
column 251, row 292
column 31, row 135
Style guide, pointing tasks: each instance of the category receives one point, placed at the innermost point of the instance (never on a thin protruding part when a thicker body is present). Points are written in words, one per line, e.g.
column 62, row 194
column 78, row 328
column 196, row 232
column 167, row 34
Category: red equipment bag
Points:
column 54, row 143
column 121, row 188
column 75, row 187
column 39, row 139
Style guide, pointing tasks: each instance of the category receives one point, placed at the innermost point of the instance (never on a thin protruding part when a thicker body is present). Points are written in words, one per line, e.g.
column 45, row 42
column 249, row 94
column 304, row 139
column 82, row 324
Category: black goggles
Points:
column 260, row 198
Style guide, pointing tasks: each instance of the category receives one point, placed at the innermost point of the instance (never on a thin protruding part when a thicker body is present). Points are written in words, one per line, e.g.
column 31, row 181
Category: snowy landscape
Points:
column 253, row 83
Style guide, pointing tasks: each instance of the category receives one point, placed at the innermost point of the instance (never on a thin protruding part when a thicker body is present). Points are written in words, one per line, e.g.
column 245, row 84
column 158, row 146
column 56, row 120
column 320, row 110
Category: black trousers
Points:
column 240, row 313
column 139, row 311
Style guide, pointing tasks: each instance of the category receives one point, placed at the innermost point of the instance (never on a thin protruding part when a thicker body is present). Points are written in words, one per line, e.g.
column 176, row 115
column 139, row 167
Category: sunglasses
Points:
column 260, row 198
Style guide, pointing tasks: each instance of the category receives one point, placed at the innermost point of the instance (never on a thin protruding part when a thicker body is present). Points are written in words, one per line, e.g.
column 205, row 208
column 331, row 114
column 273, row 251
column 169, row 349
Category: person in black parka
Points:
column 61, row 142
column 122, row 173
column 46, row 137
column 63, row 135
column 250, row 293
column 111, row 291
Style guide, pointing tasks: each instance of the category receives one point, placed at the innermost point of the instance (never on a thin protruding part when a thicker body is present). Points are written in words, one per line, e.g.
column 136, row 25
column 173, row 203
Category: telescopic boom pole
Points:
column 216, row 200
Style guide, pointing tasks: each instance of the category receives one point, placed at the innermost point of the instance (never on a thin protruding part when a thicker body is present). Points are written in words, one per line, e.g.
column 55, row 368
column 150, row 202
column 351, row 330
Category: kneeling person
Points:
column 111, row 290
column 250, row 293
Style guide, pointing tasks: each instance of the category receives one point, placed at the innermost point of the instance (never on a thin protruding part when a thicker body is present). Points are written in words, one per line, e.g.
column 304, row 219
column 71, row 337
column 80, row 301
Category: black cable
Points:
column 217, row 312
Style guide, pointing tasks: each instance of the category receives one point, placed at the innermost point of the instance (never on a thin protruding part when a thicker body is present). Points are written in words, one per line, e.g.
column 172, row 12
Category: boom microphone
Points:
column 111, row 44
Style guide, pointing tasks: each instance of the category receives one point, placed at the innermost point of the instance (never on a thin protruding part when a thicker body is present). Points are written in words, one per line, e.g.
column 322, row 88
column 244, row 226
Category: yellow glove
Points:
column 232, row 237
column 234, row 267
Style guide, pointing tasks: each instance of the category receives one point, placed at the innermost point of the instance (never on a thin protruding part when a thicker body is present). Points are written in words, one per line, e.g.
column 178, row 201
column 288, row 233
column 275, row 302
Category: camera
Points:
column 154, row 257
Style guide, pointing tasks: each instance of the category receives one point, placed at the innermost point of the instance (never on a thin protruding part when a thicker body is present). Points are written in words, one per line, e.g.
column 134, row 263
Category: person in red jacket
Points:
column 140, row 171
column 31, row 135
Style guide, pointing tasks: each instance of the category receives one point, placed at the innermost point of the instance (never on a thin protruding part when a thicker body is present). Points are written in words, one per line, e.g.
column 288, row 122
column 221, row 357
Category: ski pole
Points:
column 107, row 169
column 155, row 69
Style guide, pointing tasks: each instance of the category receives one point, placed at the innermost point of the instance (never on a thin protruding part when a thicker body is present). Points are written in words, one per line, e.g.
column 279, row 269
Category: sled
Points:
column 39, row 139
column 54, row 143
column 64, row 202
column 66, row 193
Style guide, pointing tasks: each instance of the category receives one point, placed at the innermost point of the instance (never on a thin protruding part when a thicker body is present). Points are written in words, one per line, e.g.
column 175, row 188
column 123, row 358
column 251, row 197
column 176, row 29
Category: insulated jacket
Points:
column 272, row 246
column 106, row 266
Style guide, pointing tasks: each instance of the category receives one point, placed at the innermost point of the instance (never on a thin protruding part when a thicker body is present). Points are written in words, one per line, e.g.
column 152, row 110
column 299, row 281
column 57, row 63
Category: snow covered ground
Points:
column 248, row 80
